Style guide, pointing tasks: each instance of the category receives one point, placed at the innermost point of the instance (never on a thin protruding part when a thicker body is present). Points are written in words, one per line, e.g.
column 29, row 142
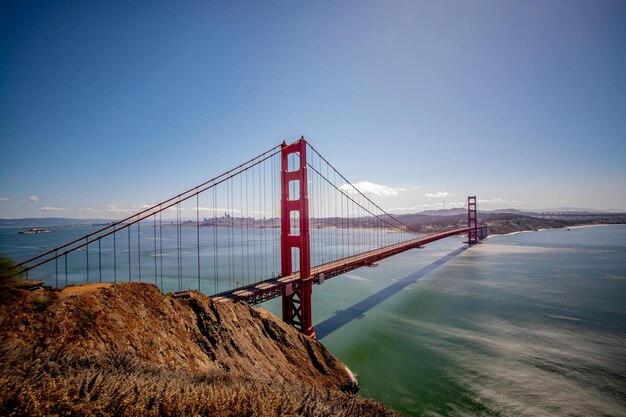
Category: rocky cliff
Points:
column 128, row 350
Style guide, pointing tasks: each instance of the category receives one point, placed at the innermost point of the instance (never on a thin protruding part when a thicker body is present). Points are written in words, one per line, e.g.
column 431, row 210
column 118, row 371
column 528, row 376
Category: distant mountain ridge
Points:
column 443, row 212
column 50, row 222
column 560, row 210
column 458, row 211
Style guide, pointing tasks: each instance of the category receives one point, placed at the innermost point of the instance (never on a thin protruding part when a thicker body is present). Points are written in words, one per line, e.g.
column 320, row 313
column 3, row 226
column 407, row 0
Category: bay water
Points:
column 527, row 324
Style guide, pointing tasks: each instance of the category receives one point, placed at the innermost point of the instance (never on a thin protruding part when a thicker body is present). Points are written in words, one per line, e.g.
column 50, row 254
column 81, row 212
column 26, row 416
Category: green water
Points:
column 530, row 324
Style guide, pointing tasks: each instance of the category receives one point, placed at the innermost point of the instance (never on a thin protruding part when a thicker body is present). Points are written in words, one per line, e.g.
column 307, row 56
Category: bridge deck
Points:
column 271, row 288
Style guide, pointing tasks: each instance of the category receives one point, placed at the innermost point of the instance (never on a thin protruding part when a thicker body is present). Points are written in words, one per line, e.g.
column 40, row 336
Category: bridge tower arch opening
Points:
column 296, row 297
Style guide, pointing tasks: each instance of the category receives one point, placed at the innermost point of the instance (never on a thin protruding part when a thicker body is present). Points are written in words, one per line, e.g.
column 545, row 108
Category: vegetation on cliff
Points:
column 127, row 350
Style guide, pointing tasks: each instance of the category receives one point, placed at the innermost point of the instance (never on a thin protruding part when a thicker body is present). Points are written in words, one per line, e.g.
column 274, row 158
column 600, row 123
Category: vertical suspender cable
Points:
column 139, row 248
column 241, row 276
column 272, row 216
column 161, row 246
column 56, row 269
column 178, row 247
column 232, row 228
column 198, row 234
column 154, row 238
column 264, row 218
column 227, row 224
column 100, row 259
column 114, row 255
column 216, row 276
column 130, row 278
column 247, row 234
column 260, row 225
column 87, row 256
column 329, row 214
column 254, row 269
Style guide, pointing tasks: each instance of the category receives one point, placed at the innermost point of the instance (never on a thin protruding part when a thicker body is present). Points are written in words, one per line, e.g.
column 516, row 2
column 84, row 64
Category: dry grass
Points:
column 119, row 385
column 126, row 351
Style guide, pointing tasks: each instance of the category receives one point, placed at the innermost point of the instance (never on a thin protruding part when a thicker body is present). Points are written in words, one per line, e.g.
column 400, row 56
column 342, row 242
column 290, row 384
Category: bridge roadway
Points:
column 272, row 288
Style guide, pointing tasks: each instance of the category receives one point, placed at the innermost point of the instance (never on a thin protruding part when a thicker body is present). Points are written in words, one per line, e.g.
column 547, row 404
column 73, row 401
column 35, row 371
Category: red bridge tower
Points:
column 472, row 220
column 295, row 239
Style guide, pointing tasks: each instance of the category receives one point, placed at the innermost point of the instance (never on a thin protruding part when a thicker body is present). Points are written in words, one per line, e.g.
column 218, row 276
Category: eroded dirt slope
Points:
column 126, row 349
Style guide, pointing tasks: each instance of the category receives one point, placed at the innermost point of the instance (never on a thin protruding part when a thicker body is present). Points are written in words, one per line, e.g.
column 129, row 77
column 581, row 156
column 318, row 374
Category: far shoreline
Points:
column 581, row 226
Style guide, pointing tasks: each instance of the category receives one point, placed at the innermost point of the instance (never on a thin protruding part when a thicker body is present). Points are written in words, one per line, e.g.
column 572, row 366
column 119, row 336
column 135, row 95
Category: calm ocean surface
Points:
column 529, row 324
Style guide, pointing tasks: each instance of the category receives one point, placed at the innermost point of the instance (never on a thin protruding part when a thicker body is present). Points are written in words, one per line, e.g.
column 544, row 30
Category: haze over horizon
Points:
column 106, row 108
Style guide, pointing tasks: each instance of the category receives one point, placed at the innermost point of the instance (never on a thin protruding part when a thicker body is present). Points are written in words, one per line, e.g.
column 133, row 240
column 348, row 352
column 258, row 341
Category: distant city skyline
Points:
column 107, row 108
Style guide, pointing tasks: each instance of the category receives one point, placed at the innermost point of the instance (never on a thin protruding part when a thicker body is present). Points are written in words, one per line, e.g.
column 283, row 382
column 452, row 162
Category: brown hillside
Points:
column 128, row 348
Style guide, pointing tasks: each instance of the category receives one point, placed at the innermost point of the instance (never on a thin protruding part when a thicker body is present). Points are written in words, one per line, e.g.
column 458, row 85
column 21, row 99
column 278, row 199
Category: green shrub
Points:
column 85, row 319
column 5, row 270
column 39, row 301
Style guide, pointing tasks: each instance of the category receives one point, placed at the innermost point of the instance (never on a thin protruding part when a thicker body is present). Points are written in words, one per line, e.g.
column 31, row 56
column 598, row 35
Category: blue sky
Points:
column 109, row 105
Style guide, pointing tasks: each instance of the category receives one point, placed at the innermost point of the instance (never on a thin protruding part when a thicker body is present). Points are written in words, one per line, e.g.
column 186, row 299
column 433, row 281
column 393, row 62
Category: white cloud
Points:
column 367, row 187
column 4, row 199
column 33, row 198
column 54, row 209
column 116, row 208
column 440, row 194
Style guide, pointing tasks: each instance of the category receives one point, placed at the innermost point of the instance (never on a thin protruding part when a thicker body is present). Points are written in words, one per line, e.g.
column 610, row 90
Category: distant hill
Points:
column 50, row 222
column 576, row 210
column 510, row 220
column 559, row 210
column 444, row 212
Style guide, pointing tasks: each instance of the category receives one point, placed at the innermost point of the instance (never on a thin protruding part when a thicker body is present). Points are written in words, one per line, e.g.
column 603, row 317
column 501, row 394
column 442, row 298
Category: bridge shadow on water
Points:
column 358, row 310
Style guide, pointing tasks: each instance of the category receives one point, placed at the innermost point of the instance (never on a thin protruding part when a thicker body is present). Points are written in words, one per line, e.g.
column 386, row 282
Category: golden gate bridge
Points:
column 277, row 224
